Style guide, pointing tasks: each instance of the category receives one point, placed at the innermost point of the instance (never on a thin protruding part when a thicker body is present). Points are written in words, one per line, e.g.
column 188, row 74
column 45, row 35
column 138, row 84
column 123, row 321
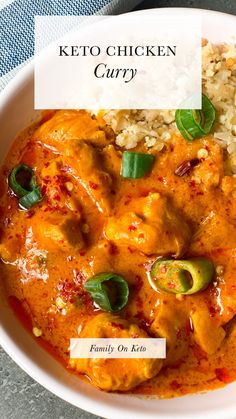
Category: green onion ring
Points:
column 24, row 185
column 109, row 291
column 136, row 165
column 32, row 198
column 182, row 276
column 194, row 123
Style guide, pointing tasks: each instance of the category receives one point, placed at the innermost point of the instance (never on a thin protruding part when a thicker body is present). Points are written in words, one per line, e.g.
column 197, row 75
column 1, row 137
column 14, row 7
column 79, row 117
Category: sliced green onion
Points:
column 108, row 290
column 182, row 276
column 23, row 183
column 136, row 165
column 22, row 180
column 32, row 198
column 194, row 123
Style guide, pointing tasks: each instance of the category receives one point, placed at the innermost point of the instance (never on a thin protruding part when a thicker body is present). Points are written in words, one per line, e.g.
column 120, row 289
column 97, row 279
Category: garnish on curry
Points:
column 97, row 241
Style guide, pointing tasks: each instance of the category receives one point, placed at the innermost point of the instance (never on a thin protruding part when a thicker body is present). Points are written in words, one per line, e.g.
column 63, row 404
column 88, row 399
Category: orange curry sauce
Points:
column 91, row 220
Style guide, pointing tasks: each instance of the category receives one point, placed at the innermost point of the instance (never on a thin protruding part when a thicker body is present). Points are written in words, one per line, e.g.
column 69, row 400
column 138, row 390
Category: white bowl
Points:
column 16, row 112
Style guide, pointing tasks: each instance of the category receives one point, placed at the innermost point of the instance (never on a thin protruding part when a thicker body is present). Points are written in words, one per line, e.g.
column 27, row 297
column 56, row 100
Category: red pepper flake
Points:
column 29, row 214
column 56, row 196
column 200, row 193
column 59, row 178
column 82, row 253
column 138, row 283
column 132, row 228
column 130, row 250
column 230, row 309
column 135, row 335
column 70, row 291
column 141, row 236
column 117, row 325
column 113, row 249
column 144, row 323
column 93, row 185
column 175, row 385
column 213, row 311
column 192, row 183
column 186, row 166
column 222, row 374
column 128, row 199
column 46, row 179
column 43, row 190
column 145, row 193
column 65, row 290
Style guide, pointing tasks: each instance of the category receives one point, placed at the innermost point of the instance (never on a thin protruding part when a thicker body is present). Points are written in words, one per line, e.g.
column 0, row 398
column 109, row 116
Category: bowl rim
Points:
column 86, row 402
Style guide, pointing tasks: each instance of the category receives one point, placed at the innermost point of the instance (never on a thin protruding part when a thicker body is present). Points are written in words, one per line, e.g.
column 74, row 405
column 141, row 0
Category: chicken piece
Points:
column 154, row 228
column 115, row 374
column 86, row 167
column 129, row 229
column 206, row 333
column 214, row 232
column 66, row 125
column 174, row 233
column 64, row 231
column 216, row 237
column 112, row 158
column 67, row 133
column 59, row 190
column 170, row 319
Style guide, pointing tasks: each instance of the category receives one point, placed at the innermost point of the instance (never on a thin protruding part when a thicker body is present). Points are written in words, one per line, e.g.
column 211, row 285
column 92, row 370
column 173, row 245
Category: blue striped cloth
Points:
column 17, row 25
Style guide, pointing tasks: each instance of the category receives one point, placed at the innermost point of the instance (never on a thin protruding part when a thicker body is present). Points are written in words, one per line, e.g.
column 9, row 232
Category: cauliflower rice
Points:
column 156, row 127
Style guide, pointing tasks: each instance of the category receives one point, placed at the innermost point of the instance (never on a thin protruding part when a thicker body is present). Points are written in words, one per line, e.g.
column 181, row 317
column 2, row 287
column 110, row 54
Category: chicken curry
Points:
column 165, row 237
